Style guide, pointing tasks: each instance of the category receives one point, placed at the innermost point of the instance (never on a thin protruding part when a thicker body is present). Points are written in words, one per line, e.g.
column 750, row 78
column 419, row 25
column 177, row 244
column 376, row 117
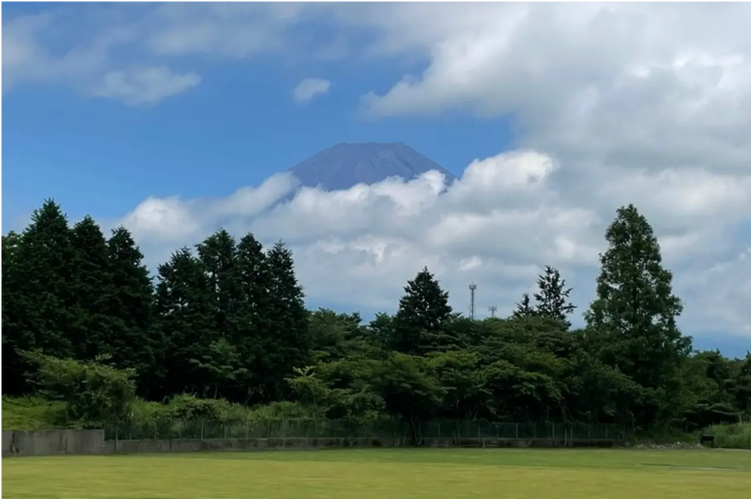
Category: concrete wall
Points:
column 259, row 444
column 52, row 442
column 60, row 442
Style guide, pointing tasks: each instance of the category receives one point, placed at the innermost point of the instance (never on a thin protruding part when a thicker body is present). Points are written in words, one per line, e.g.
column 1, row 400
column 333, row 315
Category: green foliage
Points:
column 223, row 336
column 732, row 436
column 552, row 297
column 133, row 342
column 32, row 413
column 92, row 391
column 634, row 316
column 421, row 323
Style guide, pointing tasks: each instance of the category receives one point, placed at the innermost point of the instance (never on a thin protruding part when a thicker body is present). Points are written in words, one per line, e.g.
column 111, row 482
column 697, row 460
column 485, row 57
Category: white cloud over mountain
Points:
column 613, row 103
column 497, row 225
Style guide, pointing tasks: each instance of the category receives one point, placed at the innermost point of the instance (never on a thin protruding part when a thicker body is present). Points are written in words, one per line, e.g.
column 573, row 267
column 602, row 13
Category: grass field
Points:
column 385, row 474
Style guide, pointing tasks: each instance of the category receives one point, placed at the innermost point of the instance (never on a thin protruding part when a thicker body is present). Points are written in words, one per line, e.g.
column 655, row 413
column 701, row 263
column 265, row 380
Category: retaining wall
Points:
column 60, row 442
column 52, row 442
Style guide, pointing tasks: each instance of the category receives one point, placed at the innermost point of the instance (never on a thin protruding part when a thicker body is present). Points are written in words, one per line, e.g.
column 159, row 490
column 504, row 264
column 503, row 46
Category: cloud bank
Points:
column 612, row 104
column 497, row 225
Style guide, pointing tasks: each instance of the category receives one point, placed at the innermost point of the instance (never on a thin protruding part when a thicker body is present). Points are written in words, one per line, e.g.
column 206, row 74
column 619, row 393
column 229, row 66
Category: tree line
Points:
column 227, row 320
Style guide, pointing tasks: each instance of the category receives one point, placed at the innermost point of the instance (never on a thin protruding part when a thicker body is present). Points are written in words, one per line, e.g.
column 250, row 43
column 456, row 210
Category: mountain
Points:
column 345, row 165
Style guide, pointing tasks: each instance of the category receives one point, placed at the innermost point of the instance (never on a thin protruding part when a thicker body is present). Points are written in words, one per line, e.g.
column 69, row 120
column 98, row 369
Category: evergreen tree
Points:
column 290, row 344
column 134, row 343
column 552, row 298
column 524, row 307
column 224, row 362
column 38, row 293
column 256, row 331
column 13, row 332
column 184, row 317
column 217, row 255
column 421, row 323
column 636, row 311
column 92, row 288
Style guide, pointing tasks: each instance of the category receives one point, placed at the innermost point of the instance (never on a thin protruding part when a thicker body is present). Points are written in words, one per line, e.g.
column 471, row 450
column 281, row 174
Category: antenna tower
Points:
column 472, row 288
column 492, row 310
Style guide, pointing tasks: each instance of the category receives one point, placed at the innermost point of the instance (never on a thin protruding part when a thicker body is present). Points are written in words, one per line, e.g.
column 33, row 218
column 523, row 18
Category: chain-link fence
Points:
column 385, row 429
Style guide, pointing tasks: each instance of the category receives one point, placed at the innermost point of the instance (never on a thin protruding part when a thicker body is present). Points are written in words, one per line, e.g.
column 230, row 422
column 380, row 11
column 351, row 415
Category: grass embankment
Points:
column 383, row 473
column 32, row 413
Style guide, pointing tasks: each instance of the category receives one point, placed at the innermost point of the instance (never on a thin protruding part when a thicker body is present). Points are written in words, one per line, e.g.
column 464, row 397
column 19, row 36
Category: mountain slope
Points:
column 345, row 165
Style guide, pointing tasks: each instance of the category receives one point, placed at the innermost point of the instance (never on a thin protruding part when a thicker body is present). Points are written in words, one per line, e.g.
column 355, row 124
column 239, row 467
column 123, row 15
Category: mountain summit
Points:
column 345, row 165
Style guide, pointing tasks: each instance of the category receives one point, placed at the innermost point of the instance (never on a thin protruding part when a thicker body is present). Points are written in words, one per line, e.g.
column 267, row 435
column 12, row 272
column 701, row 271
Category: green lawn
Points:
column 385, row 474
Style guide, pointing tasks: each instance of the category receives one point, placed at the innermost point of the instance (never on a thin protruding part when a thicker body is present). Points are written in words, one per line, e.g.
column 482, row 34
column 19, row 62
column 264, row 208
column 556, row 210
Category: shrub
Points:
column 732, row 436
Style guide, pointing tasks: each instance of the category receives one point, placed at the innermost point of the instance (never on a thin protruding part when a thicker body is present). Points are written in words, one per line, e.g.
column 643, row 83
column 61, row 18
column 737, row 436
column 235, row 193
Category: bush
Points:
column 732, row 436
column 93, row 392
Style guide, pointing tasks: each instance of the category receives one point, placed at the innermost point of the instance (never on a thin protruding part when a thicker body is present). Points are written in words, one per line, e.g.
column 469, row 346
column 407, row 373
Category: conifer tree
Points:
column 184, row 317
column 45, row 270
column 290, row 343
column 92, row 288
column 134, row 342
column 524, row 308
column 421, row 323
column 256, row 331
column 635, row 309
column 551, row 300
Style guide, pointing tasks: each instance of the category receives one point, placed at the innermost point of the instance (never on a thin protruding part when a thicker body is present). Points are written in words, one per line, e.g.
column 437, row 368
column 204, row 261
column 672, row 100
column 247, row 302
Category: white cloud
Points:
column 503, row 219
column 612, row 104
column 309, row 88
column 144, row 85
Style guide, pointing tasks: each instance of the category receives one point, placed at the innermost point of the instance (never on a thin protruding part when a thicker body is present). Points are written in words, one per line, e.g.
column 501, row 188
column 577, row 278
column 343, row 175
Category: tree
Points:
column 134, row 342
column 524, row 307
column 255, row 322
column 183, row 314
column 289, row 344
column 421, row 323
column 14, row 334
column 635, row 311
column 552, row 298
column 217, row 255
column 93, row 392
column 92, row 288
column 38, row 293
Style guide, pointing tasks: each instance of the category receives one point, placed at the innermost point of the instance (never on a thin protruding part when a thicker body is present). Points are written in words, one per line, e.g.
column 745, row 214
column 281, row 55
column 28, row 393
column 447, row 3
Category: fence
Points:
column 387, row 430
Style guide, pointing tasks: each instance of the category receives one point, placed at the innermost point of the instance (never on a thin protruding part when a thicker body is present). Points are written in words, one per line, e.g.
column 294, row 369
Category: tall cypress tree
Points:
column 134, row 342
column 223, row 361
column 14, row 334
column 421, row 323
column 92, row 288
column 184, row 317
column 46, row 263
column 256, row 332
column 217, row 255
column 289, row 345
column 635, row 310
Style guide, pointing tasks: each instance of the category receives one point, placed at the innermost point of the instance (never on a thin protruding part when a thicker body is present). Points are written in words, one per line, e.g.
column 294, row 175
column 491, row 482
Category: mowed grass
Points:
column 388, row 473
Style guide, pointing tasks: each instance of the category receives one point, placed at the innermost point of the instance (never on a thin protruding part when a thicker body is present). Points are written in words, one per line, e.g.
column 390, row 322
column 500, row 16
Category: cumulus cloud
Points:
column 497, row 225
column 612, row 104
column 309, row 88
column 144, row 85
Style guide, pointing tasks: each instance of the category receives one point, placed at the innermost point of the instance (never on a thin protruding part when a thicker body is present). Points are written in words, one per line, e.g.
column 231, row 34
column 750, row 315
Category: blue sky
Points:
column 175, row 119
column 238, row 127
